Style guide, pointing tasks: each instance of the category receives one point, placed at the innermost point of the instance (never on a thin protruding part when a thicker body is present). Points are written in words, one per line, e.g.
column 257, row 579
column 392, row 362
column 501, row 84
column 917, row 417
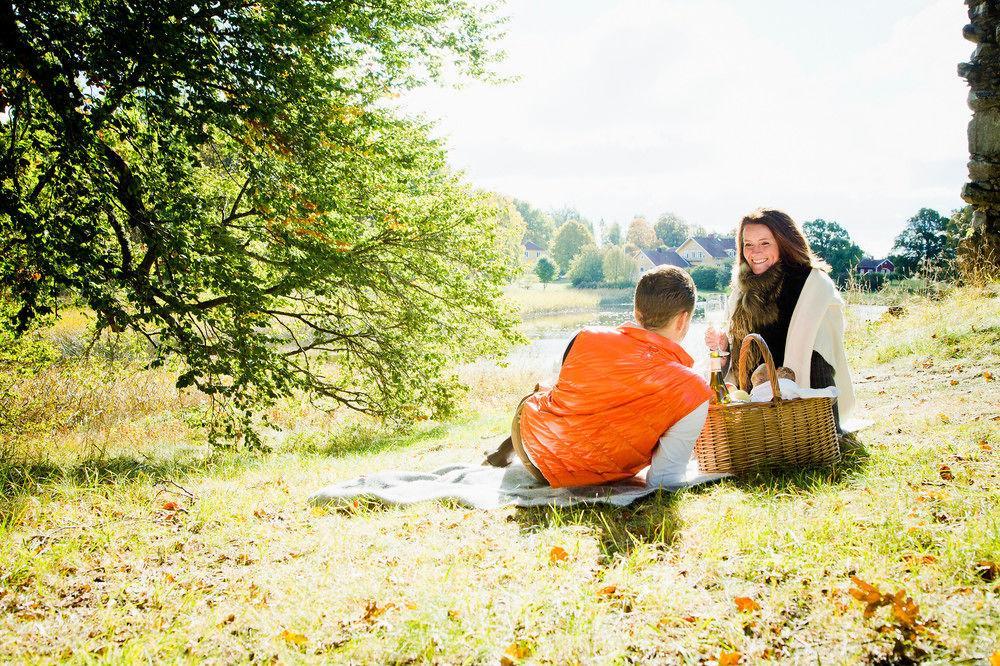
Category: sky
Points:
column 849, row 111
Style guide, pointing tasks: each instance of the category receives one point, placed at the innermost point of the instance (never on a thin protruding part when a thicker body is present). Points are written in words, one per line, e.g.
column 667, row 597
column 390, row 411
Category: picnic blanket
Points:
column 490, row 487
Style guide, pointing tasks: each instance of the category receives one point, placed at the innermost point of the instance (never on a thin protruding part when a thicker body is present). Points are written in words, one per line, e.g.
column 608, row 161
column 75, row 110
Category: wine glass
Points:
column 715, row 313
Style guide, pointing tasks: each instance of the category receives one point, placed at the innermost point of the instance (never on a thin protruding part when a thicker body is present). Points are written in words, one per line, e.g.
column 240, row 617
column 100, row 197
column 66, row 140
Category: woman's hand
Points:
column 716, row 339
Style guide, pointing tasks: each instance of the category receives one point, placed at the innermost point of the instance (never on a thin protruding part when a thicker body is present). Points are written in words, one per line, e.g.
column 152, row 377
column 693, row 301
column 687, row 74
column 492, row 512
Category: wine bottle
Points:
column 720, row 394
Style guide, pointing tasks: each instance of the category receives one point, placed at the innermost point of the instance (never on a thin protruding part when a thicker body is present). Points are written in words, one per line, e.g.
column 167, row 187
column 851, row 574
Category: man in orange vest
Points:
column 626, row 398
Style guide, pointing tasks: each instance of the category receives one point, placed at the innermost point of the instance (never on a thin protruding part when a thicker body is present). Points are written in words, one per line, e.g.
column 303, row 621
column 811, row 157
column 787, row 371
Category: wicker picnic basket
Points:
column 781, row 433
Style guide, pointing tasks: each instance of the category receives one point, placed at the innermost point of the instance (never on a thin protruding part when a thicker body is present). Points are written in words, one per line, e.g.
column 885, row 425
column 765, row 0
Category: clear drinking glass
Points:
column 715, row 313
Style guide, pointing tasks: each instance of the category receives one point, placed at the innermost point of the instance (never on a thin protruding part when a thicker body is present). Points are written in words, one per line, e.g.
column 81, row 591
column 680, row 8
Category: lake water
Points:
column 550, row 334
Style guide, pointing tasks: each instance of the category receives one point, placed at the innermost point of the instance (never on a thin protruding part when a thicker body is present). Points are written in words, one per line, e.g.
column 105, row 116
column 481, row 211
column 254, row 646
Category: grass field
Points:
column 124, row 540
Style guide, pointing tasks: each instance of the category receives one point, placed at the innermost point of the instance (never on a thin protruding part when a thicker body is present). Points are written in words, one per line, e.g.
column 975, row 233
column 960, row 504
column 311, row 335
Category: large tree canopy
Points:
column 833, row 243
column 924, row 242
column 231, row 180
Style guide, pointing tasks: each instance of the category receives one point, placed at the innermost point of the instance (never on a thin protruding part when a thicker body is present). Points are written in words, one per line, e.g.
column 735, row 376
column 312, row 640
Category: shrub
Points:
column 587, row 269
column 619, row 268
column 705, row 277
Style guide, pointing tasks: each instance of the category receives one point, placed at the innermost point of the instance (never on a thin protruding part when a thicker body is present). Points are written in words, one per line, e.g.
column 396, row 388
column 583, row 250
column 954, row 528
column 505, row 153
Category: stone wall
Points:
column 981, row 250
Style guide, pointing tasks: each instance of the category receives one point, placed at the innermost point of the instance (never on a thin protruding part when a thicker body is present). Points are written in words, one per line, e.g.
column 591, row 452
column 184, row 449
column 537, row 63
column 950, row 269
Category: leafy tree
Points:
column 226, row 179
column 545, row 270
column 641, row 234
column 923, row 242
column 705, row 277
column 671, row 230
column 698, row 230
column 540, row 225
column 831, row 241
column 587, row 269
column 614, row 234
column 618, row 268
column 510, row 227
column 569, row 240
column 561, row 216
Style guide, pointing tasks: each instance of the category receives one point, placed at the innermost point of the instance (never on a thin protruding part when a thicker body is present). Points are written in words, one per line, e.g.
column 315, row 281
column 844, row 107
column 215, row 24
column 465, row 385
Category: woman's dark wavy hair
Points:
column 793, row 247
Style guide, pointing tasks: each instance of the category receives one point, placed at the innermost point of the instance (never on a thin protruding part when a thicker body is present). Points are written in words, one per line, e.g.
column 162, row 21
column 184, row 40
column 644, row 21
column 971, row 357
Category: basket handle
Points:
column 744, row 372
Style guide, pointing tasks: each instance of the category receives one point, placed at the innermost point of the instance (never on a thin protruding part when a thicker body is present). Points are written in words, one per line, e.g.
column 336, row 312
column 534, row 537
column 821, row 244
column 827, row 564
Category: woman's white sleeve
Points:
column 670, row 460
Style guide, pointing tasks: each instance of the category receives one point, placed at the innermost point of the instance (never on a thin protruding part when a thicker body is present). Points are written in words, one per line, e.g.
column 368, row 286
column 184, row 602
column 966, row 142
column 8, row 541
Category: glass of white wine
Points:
column 715, row 313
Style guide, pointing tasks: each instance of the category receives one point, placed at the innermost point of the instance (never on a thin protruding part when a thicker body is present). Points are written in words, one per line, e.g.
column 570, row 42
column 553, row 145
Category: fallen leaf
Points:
column 607, row 591
column 170, row 506
column 945, row 473
column 914, row 558
column 984, row 445
column 516, row 651
column 905, row 610
column 557, row 554
column 229, row 619
column 954, row 382
column 691, row 618
column 944, row 418
column 987, row 570
column 373, row 610
column 988, row 376
column 454, row 615
column 294, row 638
column 746, row 604
column 729, row 658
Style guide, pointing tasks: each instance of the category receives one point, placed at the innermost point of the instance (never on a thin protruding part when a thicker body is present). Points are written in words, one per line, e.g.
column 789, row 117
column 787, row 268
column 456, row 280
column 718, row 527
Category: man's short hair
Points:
column 662, row 294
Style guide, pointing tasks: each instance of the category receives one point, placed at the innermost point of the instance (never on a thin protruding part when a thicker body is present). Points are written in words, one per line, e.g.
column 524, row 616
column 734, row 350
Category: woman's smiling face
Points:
column 759, row 248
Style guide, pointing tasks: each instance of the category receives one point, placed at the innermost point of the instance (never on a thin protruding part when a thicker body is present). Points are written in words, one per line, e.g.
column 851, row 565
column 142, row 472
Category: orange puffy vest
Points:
column 618, row 391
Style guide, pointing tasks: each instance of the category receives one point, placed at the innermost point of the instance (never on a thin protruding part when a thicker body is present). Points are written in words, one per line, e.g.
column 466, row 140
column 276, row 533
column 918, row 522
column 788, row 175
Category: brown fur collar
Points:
column 757, row 305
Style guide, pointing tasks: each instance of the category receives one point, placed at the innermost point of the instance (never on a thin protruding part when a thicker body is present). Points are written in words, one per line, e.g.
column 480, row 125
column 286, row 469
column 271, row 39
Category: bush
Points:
column 587, row 269
column 705, row 277
column 545, row 270
column 619, row 268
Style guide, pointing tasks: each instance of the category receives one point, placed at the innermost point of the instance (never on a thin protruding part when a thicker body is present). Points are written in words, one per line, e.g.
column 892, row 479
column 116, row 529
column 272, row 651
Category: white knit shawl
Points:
column 817, row 324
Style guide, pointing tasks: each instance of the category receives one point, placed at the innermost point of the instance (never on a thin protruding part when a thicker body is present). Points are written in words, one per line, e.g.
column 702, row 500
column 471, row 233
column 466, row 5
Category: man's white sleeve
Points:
column 670, row 460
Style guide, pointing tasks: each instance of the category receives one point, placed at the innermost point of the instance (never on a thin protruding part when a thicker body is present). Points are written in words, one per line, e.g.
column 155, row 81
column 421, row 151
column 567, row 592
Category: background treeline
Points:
column 591, row 254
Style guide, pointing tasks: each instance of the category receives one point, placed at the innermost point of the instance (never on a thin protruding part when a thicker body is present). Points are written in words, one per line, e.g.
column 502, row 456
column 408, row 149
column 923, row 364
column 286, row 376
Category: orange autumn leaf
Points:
column 729, row 658
column 984, row 445
column 170, row 506
column 746, row 604
column 607, row 591
column 557, row 554
column 293, row 638
column 904, row 610
column 517, row 650
column 945, row 472
column 373, row 610
column 988, row 376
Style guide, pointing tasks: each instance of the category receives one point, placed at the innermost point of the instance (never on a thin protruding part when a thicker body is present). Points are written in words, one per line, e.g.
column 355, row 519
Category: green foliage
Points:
column 569, row 240
column 671, row 230
column 831, row 242
column 587, row 269
column 227, row 180
column 924, row 243
column 705, row 277
column 724, row 272
column 613, row 236
column 540, row 225
column 618, row 268
column 641, row 234
column 545, row 270
column 510, row 228
column 566, row 214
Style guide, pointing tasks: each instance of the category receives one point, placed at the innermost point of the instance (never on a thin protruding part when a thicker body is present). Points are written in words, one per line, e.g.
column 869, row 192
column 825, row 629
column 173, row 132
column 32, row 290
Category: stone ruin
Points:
column 980, row 251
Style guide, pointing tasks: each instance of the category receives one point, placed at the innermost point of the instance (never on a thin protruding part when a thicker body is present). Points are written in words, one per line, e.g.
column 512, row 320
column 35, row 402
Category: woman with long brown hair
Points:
column 781, row 290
